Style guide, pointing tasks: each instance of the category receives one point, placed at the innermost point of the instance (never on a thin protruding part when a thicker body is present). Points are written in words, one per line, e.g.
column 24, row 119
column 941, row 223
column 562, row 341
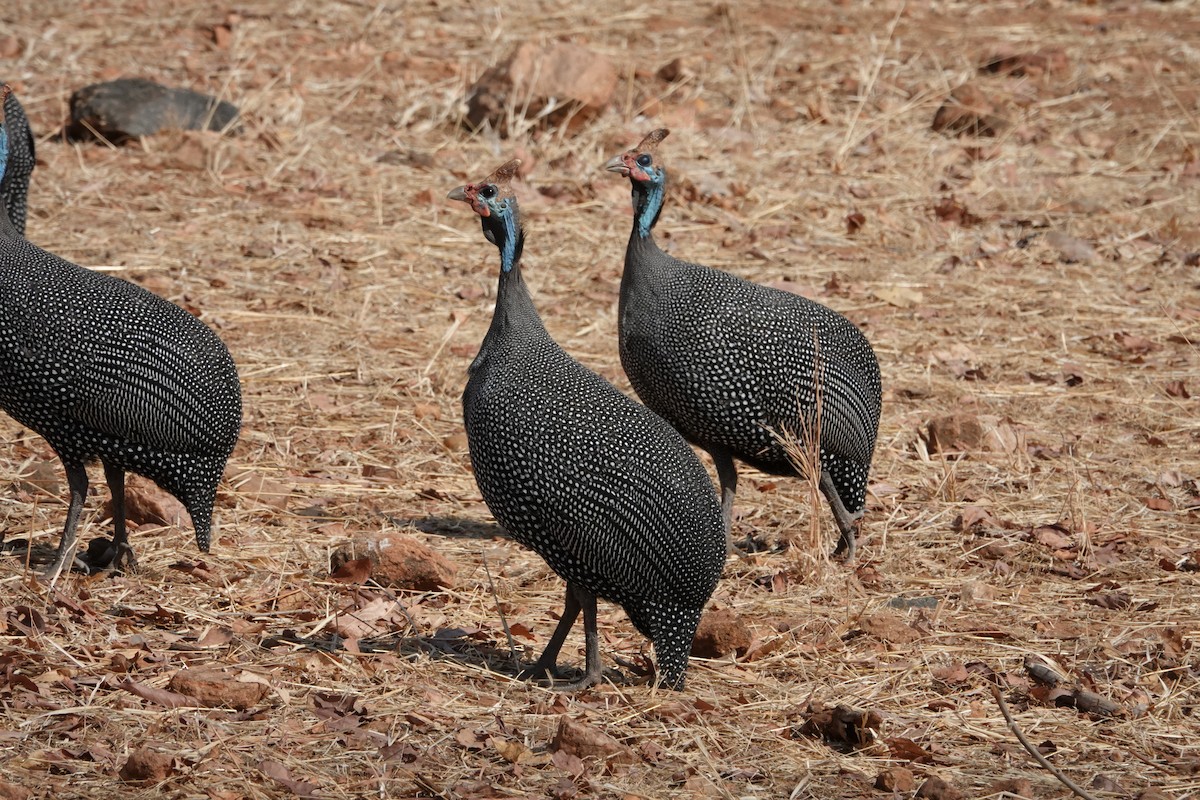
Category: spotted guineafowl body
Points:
column 728, row 362
column 105, row 370
column 14, row 188
column 607, row 492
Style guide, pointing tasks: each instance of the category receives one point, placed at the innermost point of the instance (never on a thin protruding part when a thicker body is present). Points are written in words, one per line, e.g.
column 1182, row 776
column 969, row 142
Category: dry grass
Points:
column 353, row 297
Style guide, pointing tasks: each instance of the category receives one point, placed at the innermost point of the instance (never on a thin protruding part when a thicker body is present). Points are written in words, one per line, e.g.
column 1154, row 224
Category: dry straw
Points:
column 319, row 245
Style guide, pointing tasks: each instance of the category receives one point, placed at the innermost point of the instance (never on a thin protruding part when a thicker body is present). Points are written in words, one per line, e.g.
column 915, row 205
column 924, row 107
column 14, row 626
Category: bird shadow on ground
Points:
column 461, row 645
column 451, row 527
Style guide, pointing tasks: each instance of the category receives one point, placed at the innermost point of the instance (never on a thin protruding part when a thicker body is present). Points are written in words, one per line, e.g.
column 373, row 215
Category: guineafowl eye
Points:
column 488, row 192
column 644, row 160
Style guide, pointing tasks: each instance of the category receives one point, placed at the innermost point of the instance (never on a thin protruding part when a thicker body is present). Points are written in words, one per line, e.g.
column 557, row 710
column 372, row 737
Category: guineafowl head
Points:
column 648, row 178
column 495, row 202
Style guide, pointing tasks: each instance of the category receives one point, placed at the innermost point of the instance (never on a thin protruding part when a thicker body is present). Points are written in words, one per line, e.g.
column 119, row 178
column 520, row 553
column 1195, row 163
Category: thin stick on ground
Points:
column 512, row 644
column 1033, row 751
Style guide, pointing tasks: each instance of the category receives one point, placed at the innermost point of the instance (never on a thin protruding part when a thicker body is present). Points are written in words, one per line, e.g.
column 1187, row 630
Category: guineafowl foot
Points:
column 107, row 554
column 845, row 547
column 847, row 523
column 538, row 672
column 551, row 678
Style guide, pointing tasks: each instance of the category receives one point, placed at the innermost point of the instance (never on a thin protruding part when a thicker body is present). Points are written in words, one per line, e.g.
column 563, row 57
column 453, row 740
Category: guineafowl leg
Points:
column 548, row 661
column 122, row 554
column 846, row 522
column 727, row 475
column 593, row 670
column 77, row 484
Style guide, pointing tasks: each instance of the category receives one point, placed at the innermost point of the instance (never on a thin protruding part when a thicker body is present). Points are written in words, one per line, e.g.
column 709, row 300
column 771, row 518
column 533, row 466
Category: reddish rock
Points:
column 966, row 433
column 957, row 433
column 400, row 562
column 720, row 632
column 562, row 81
column 145, row 766
column 147, row 504
column 1003, row 61
column 976, row 593
column 896, row 779
column 214, row 688
column 1153, row 794
column 263, row 490
column 937, row 789
column 587, row 741
column 968, row 111
column 888, row 628
column 42, row 477
column 10, row 791
column 1012, row 787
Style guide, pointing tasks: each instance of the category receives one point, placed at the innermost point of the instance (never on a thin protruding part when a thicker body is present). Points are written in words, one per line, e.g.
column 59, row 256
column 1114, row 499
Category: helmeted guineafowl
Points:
column 606, row 491
column 14, row 188
column 728, row 362
column 107, row 371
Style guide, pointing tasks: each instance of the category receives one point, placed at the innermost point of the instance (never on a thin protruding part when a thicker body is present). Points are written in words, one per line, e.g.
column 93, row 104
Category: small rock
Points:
column 895, row 779
column 1071, row 249
column 976, row 593
column 148, row 504
column 257, row 487
column 937, row 789
column 674, row 70
column 131, row 107
column 11, row 791
column 1050, row 60
column 215, row 688
column 587, row 741
column 888, row 628
column 956, row 433
column 843, row 724
column 43, row 477
column 1153, row 794
column 1107, row 783
column 968, row 112
column 10, row 46
column 553, row 84
column 1012, row 787
column 400, row 562
column 145, row 766
column 720, row 632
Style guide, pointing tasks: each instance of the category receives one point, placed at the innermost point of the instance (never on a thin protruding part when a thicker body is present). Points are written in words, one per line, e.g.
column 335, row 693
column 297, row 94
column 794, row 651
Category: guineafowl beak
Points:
column 459, row 194
column 618, row 164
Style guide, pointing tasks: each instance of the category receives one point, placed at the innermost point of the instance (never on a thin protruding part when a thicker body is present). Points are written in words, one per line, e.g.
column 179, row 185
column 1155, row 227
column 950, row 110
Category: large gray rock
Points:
column 131, row 107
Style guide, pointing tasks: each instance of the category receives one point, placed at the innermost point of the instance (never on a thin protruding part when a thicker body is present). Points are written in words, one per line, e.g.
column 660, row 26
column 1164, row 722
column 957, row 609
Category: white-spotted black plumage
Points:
column 728, row 361
column 606, row 491
column 105, row 370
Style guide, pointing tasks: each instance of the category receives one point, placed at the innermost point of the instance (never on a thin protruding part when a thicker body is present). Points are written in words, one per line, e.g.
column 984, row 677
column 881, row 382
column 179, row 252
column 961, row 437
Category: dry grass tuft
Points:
column 353, row 296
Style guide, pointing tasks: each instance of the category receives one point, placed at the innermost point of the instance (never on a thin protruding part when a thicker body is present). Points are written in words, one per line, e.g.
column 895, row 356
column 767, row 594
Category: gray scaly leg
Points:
column 122, row 554
column 77, row 483
column 548, row 661
column 727, row 475
column 593, row 669
column 847, row 523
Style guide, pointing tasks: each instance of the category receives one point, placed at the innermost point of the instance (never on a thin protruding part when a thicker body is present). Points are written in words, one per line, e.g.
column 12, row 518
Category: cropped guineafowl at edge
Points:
column 604, row 490
column 14, row 187
column 104, row 370
column 733, row 364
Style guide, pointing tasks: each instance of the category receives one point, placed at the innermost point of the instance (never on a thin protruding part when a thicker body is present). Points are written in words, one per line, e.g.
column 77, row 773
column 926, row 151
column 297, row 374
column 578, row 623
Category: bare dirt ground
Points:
column 1042, row 281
